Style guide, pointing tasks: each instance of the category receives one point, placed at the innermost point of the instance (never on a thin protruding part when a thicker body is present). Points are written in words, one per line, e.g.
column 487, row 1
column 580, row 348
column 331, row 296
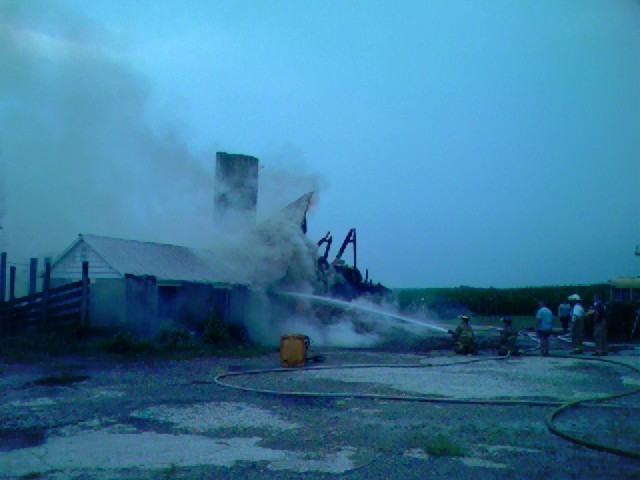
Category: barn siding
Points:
column 194, row 304
column 238, row 301
column 141, row 294
column 142, row 304
column 107, row 301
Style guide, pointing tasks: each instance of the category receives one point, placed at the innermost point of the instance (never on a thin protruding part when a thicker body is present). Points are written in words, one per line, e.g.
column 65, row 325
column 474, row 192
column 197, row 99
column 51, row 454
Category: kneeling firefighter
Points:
column 508, row 337
column 464, row 338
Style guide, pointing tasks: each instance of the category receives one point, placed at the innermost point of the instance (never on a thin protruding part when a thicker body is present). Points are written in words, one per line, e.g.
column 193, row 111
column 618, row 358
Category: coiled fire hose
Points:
column 561, row 406
column 567, row 406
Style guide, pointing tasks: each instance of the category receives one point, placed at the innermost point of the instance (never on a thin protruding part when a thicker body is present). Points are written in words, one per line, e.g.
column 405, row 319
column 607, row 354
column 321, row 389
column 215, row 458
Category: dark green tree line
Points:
column 494, row 301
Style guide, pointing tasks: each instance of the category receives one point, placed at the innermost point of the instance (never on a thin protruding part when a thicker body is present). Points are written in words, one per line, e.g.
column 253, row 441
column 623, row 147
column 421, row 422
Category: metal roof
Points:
column 165, row 262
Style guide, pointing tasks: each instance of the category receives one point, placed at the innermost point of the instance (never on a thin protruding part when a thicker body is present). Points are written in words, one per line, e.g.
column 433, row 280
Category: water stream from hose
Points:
column 365, row 308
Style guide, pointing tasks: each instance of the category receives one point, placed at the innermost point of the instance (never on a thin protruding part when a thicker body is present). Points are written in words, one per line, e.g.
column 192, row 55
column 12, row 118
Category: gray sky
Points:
column 482, row 143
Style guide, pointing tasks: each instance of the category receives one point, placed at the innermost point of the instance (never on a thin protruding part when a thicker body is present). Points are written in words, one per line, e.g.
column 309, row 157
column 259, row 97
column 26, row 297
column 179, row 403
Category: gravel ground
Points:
column 104, row 418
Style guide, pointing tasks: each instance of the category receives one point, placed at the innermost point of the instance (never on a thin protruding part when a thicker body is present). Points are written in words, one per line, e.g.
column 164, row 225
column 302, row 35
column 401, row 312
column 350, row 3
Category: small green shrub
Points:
column 121, row 343
column 216, row 332
column 246, row 350
column 238, row 333
column 441, row 445
column 175, row 339
column 124, row 344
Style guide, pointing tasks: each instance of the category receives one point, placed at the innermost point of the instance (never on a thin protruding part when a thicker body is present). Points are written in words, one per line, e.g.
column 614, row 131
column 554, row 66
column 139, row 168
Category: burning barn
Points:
column 142, row 286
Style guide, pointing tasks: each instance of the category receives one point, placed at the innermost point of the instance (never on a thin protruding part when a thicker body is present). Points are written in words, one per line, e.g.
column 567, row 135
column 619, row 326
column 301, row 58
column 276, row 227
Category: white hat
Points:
column 575, row 298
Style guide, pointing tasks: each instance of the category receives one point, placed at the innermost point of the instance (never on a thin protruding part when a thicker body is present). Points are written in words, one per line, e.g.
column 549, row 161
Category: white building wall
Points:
column 107, row 304
column 69, row 268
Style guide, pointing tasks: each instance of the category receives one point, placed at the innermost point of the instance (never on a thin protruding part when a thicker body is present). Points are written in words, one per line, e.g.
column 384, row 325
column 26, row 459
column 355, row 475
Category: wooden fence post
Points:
column 3, row 276
column 12, row 297
column 84, row 318
column 33, row 276
column 46, row 284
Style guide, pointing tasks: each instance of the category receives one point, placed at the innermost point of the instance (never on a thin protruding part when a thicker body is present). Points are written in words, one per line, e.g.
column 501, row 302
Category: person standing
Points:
column 507, row 345
column 545, row 325
column 599, row 325
column 577, row 323
column 564, row 313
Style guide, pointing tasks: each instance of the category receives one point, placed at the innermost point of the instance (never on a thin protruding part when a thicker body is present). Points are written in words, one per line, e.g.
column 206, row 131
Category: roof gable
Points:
column 69, row 263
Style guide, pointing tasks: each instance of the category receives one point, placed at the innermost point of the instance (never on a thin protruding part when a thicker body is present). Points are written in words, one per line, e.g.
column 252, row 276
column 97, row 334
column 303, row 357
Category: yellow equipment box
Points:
column 293, row 350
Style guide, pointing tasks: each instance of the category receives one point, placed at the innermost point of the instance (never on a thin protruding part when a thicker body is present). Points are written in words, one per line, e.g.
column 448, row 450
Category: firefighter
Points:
column 599, row 312
column 508, row 337
column 464, row 338
column 577, row 323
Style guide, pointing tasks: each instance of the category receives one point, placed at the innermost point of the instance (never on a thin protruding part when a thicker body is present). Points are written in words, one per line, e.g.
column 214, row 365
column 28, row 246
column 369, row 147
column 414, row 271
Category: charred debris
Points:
column 338, row 279
column 236, row 197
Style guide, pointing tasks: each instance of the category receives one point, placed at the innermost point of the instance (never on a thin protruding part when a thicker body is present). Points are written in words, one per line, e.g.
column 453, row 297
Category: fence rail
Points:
column 51, row 307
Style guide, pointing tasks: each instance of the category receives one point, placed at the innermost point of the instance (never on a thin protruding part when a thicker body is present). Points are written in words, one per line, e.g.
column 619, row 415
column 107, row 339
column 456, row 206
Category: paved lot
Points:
column 97, row 418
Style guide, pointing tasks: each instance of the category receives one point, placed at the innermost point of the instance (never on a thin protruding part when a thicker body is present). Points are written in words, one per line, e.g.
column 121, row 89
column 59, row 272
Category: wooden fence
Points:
column 51, row 307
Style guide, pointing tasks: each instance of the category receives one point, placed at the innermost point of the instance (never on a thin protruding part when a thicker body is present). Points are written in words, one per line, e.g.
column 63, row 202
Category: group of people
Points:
column 466, row 344
column 572, row 315
column 597, row 314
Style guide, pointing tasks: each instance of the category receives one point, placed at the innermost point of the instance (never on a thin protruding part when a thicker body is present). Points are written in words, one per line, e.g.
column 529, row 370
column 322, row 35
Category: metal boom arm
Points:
column 350, row 238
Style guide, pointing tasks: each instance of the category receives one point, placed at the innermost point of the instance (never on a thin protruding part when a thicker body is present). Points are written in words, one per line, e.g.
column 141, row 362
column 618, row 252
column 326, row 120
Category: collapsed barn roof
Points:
column 294, row 214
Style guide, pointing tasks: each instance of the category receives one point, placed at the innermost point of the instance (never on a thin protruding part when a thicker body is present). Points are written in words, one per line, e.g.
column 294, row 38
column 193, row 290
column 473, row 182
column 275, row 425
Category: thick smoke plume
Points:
column 82, row 152
column 79, row 150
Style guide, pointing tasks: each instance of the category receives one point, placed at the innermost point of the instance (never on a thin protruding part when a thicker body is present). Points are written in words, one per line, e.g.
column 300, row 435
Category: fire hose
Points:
column 567, row 406
column 561, row 406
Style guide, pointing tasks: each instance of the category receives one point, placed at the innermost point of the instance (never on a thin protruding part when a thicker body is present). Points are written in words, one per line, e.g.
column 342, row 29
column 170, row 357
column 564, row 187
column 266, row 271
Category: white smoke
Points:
column 339, row 334
column 336, row 323
column 271, row 317
column 285, row 176
column 80, row 150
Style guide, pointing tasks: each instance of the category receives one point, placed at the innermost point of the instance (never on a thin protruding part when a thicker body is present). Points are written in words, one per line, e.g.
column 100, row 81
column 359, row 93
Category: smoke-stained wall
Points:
column 107, row 304
column 141, row 305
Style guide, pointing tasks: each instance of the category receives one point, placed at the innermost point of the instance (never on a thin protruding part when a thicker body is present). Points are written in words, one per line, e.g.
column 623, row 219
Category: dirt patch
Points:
column 204, row 417
column 17, row 438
